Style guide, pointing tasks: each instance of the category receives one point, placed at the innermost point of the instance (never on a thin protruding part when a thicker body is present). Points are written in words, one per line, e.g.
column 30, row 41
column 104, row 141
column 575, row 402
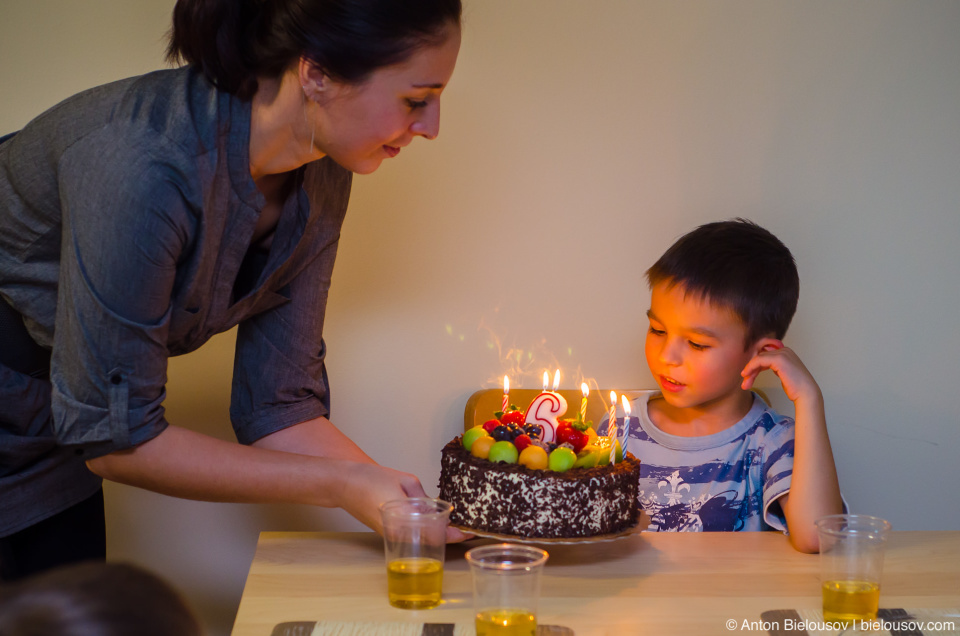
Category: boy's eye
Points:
column 656, row 332
column 697, row 346
column 414, row 104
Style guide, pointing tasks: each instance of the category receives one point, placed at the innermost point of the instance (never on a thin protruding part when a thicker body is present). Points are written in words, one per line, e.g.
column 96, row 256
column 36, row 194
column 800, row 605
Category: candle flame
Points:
column 613, row 399
column 556, row 380
column 546, row 380
column 584, row 389
column 506, row 385
column 626, row 407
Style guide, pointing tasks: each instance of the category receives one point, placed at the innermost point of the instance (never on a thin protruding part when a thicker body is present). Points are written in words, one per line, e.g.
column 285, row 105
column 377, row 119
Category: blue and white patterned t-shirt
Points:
column 728, row 481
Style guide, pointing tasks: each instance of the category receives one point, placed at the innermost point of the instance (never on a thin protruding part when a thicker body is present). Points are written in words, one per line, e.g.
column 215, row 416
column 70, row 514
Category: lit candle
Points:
column 612, row 418
column 546, row 409
column 583, row 401
column 625, row 432
column 612, row 427
column 506, row 393
column 626, row 408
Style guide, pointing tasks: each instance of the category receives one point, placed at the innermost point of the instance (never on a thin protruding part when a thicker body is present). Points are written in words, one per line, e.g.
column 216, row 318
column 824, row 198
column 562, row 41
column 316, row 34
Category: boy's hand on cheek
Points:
column 798, row 383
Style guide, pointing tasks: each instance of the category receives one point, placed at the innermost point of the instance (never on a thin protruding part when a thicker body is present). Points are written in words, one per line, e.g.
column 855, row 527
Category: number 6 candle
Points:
column 546, row 408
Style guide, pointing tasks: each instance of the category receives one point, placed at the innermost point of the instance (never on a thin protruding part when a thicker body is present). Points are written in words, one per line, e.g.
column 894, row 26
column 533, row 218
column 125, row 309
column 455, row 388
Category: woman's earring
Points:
column 313, row 126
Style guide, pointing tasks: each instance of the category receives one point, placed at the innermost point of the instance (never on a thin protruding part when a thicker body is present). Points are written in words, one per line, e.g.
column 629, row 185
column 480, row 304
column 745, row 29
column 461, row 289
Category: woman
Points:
column 142, row 217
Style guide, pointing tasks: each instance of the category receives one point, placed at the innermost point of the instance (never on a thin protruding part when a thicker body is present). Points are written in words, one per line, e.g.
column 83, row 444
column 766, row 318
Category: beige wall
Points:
column 579, row 139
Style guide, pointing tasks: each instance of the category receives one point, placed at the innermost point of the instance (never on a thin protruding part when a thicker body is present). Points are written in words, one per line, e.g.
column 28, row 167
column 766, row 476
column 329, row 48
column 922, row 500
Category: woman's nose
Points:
column 428, row 125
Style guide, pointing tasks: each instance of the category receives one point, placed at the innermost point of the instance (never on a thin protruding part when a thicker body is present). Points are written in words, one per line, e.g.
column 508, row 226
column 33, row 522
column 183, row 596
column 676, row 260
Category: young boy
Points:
column 713, row 455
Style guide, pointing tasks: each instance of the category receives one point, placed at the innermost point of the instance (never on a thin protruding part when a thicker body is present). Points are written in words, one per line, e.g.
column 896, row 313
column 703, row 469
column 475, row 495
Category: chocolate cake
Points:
column 512, row 499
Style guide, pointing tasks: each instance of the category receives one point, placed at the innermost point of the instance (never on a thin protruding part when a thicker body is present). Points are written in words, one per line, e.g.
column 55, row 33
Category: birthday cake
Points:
column 522, row 475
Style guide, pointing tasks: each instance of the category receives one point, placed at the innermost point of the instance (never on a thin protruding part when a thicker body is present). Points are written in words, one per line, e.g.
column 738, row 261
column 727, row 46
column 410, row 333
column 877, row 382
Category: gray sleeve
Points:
column 123, row 233
column 279, row 378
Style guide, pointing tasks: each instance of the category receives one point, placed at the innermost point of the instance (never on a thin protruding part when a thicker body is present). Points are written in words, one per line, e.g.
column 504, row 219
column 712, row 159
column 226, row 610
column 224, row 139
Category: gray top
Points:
column 127, row 213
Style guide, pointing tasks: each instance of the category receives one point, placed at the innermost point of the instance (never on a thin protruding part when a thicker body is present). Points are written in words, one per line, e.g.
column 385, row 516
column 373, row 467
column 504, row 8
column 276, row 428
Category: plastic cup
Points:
column 506, row 588
column 851, row 562
column 414, row 543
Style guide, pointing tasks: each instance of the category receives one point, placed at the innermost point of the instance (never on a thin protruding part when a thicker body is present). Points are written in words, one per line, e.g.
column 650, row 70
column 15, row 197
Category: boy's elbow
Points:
column 805, row 544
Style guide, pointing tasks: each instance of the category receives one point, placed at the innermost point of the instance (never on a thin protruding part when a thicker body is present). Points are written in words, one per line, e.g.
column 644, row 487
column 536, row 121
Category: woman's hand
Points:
column 367, row 486
column 456, row 536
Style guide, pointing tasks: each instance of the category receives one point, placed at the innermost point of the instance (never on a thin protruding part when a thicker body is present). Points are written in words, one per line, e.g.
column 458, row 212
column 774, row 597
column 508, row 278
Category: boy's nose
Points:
column 669, row 353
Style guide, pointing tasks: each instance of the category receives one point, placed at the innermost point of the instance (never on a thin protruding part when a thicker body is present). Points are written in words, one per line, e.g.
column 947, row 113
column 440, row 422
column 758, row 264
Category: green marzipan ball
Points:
column 472, row 435
column 562, row 459
column 503, row 451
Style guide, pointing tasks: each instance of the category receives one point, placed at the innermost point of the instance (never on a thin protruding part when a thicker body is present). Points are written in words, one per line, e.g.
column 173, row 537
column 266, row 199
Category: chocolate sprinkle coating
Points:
column 513, row 499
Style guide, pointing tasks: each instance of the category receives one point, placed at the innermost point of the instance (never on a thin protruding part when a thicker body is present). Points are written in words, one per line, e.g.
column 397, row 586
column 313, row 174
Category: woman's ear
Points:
column 313, row 80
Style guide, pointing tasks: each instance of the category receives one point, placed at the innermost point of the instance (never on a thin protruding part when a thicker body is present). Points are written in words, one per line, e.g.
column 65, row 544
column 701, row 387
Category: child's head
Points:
column 736, row 265
column 107, row 599
column 719, row 296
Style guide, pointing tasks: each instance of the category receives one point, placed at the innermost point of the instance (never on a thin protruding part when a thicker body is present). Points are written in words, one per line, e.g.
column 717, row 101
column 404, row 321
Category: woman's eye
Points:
column 415, row 104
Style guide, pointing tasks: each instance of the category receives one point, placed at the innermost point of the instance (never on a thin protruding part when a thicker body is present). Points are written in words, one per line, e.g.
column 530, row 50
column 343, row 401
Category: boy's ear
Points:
column 767, row 344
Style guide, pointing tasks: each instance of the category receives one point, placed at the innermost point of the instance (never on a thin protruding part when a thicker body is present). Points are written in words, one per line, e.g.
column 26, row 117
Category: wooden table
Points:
column 689, row 583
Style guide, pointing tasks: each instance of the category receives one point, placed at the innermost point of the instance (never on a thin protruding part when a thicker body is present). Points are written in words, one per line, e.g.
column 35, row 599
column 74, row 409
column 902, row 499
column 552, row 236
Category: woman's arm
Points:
column 183, row 463
column 317, row 437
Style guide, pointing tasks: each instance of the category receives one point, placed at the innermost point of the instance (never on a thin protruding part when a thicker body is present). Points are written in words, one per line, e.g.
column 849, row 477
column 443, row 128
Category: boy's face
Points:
column 695, row 350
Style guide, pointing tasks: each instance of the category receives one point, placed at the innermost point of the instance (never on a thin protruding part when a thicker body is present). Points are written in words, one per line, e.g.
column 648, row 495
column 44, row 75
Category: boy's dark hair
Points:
column 739, row 265
column 234, row 41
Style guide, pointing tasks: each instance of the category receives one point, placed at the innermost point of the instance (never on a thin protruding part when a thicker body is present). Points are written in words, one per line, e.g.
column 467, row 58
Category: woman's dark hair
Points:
column 235, row 41
column 739, row 265
column 94, row 599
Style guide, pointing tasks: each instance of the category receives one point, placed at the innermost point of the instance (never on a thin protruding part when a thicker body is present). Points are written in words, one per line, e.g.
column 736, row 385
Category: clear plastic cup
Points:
column 414, row 543
column 851, row 562
column 506, row 588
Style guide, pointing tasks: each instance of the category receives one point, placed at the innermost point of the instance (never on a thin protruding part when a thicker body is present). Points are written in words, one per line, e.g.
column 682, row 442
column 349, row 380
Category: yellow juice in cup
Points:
column 506, row 622
column 414, row 583
column 845, row 601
